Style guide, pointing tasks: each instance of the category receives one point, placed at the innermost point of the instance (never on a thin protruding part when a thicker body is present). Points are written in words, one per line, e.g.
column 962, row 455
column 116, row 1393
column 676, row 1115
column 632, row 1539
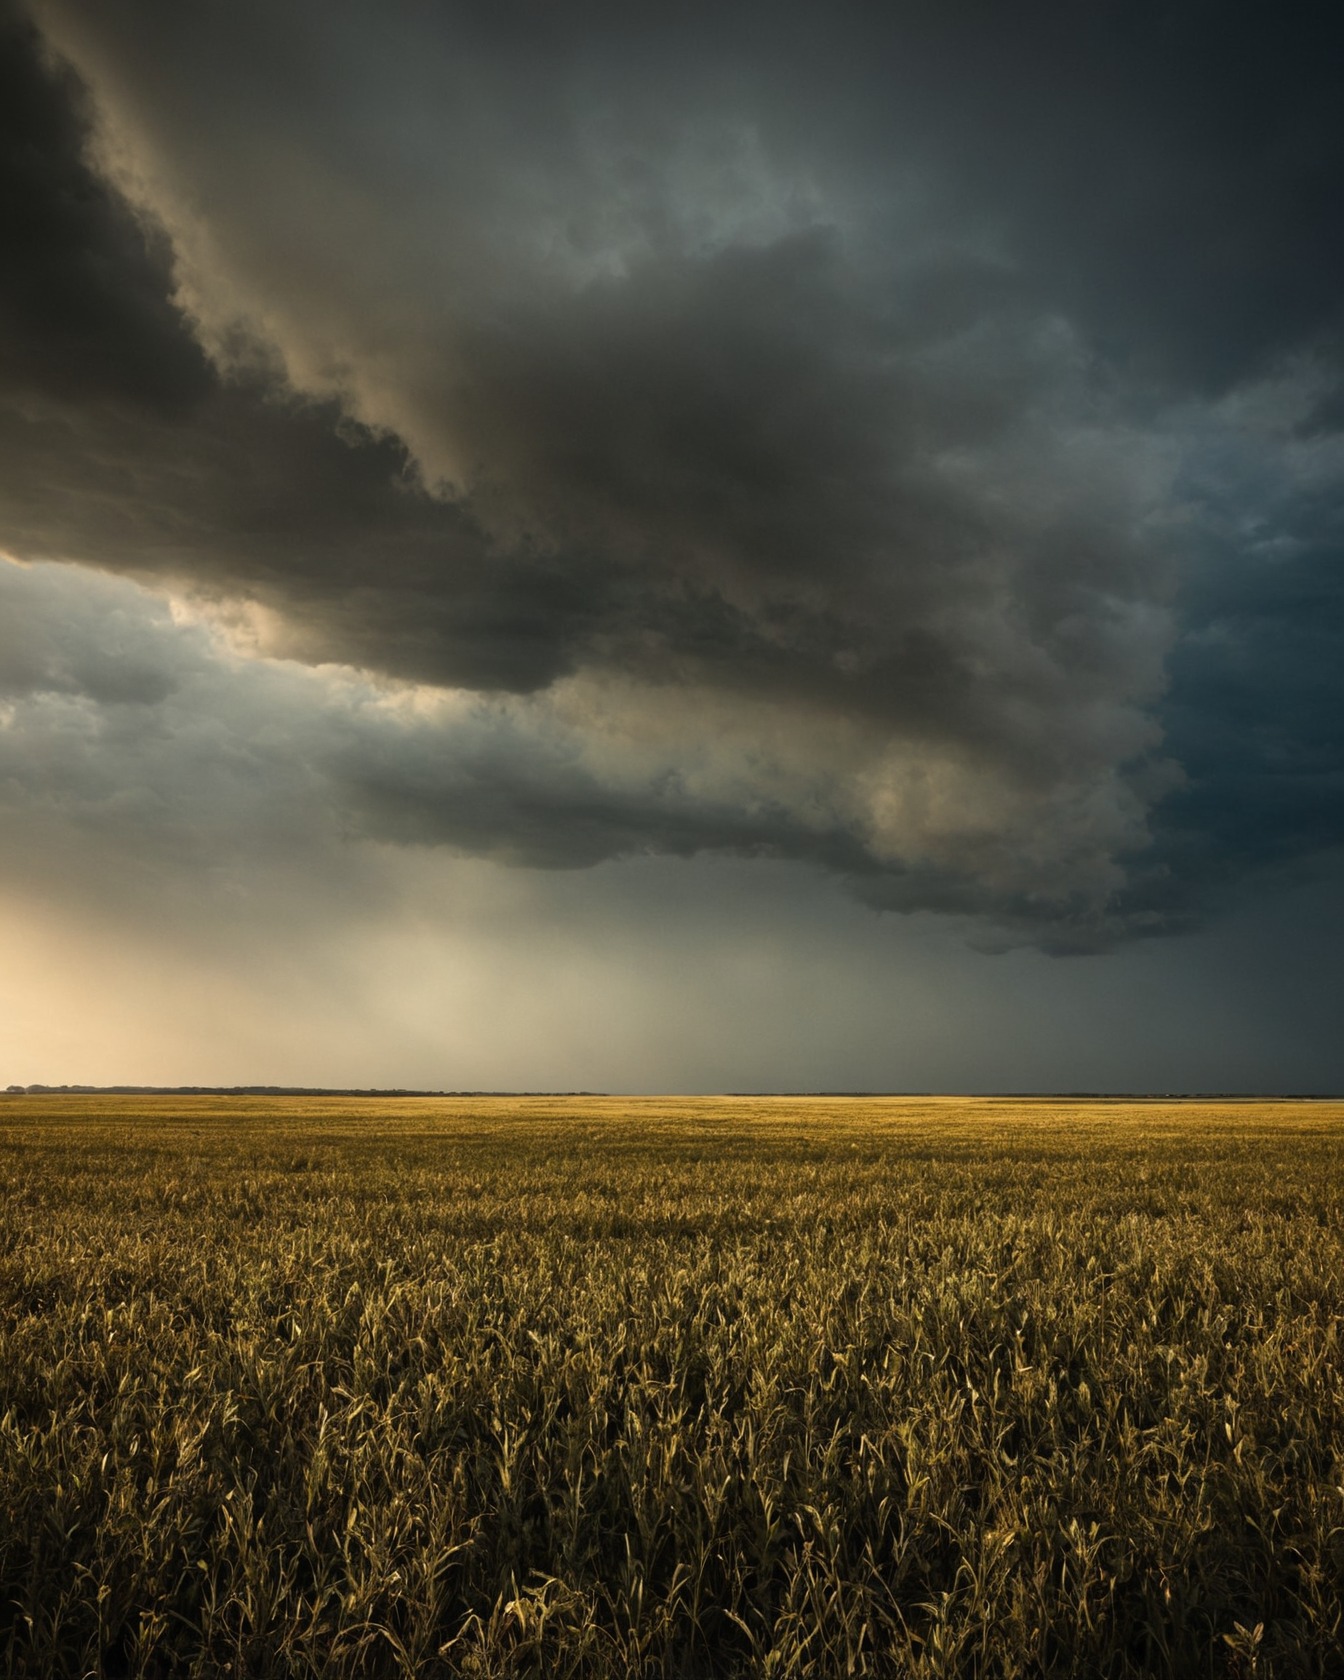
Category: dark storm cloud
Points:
column 84, row 286
column 797, row 404
column 1256, row 708
column 246, row 496
column 121, row 719
column 121, row 445
column 1168, row 174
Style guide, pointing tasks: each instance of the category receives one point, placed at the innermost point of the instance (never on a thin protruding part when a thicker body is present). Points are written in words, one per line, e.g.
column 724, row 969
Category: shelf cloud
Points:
column 906, row 442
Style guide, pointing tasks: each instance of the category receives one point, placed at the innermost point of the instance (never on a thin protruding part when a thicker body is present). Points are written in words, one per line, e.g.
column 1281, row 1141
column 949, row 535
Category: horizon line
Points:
column 1095, row 1095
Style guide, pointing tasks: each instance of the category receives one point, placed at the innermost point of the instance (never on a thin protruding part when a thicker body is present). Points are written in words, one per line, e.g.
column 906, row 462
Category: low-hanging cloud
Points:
column 141, row 725
column 724, row 455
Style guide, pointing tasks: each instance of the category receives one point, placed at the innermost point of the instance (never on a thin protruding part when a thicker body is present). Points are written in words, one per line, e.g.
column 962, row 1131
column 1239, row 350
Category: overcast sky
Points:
column 646, row 547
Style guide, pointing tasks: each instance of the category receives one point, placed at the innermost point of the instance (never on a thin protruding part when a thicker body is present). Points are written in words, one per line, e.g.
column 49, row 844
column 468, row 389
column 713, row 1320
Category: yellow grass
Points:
column 765, row 1386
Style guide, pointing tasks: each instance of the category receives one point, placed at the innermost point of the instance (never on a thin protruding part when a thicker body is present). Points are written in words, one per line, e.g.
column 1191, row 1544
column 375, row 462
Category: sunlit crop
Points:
column 692, row 1388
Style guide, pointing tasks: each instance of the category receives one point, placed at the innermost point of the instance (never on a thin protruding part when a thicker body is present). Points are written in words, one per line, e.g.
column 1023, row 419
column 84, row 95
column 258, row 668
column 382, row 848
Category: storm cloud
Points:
column 905, row 442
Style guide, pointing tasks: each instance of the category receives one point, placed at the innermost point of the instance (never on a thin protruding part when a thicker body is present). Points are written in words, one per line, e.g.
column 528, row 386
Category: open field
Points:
column 688, row 1387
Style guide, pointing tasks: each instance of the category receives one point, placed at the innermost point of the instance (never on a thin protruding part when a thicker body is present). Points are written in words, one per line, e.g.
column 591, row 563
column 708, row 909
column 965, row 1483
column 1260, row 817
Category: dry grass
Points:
column 757, row 1387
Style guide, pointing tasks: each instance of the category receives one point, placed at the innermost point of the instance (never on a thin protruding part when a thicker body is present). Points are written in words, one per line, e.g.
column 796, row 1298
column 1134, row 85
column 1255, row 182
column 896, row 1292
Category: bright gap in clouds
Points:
column 654, row 975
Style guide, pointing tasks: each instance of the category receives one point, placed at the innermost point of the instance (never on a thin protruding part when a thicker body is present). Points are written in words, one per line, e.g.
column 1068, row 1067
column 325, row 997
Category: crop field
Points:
column 695, row 1387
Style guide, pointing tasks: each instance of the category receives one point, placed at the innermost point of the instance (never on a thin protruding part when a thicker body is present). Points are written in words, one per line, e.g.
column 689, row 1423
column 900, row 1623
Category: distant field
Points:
column 691, row 1387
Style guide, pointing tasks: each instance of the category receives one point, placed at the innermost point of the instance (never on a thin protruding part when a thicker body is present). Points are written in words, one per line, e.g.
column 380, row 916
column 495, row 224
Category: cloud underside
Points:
column 656, row 437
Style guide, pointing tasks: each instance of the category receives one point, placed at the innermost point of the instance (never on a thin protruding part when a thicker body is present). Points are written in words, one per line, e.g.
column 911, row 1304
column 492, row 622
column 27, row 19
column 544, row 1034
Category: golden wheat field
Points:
column 683, row 1387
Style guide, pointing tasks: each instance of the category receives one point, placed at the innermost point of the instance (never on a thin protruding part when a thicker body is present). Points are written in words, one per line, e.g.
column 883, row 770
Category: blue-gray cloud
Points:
column 906, row 444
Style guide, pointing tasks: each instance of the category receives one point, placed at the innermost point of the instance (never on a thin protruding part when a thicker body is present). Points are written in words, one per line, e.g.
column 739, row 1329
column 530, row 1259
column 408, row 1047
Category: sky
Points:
column 628, row 547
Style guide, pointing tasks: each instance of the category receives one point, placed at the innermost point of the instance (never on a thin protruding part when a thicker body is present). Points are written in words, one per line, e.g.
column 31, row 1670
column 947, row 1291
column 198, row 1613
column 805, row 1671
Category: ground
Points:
column 699, row 1387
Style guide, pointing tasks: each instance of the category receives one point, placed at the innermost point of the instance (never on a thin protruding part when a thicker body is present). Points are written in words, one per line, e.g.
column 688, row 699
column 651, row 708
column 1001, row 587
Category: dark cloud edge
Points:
column 129, row 353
